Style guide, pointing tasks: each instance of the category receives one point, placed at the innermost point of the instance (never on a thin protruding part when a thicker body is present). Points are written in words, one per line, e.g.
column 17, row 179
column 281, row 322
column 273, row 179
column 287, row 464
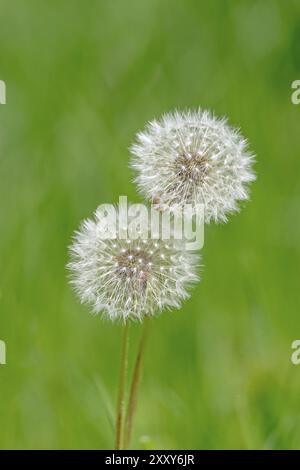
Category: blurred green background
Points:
column 82, row 78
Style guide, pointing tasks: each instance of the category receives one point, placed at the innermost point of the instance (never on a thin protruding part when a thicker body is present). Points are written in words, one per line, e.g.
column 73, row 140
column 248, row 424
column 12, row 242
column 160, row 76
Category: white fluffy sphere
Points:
column 129, row 279
column 192, row 157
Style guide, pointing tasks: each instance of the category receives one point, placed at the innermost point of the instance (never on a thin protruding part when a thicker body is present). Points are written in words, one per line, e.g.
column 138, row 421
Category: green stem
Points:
column 135, row 385
column 121, row 395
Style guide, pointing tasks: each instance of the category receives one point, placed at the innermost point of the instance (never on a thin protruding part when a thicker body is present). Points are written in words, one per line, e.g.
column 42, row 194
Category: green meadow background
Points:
column 82, row 78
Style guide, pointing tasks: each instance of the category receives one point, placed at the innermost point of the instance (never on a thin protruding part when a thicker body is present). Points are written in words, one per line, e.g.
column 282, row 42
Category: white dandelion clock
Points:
column 129, row 278
column 193, row 158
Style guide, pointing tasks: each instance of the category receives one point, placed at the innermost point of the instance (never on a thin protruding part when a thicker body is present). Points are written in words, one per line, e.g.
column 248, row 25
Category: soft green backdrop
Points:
column 82, row 78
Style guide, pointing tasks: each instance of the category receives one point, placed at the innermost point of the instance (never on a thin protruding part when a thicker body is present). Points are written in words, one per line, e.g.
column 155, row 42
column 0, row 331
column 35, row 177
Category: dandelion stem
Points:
column 121, row 395
column 135, row 384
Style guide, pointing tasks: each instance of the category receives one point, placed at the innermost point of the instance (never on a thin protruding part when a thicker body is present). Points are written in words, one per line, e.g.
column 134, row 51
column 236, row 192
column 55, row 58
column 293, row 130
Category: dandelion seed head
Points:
column 129, row 280
column 193, row 157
